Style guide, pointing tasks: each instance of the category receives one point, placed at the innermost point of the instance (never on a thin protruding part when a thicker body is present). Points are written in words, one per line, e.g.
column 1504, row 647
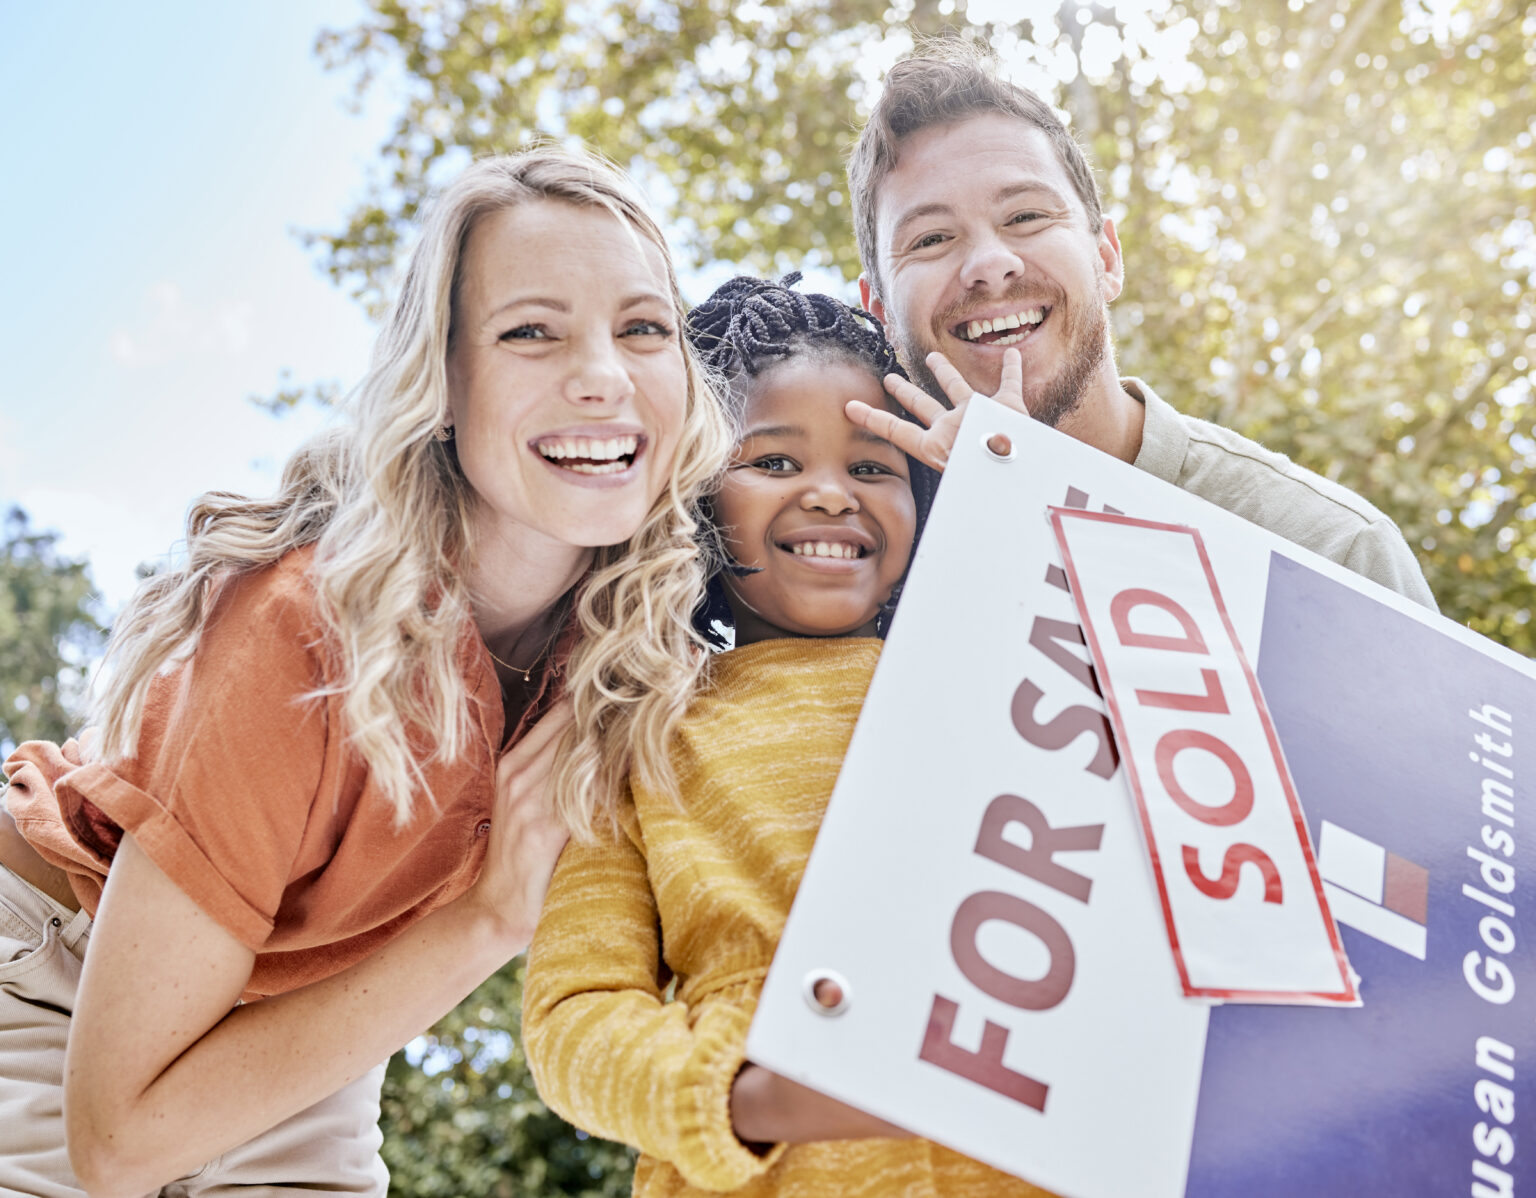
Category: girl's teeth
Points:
column 839, row 549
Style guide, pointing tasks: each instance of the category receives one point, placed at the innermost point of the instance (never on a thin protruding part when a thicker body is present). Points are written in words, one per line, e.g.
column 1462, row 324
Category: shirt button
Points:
column 483, row 828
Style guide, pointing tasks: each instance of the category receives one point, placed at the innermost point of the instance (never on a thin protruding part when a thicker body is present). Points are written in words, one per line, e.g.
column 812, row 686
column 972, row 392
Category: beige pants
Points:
column 332, row 1148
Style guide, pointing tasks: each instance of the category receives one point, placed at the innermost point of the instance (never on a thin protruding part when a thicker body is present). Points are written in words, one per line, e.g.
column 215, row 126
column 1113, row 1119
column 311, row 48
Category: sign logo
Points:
column 1374, row 891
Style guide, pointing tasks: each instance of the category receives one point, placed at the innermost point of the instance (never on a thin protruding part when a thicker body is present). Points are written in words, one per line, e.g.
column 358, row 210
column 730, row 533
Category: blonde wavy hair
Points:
column 388, row 509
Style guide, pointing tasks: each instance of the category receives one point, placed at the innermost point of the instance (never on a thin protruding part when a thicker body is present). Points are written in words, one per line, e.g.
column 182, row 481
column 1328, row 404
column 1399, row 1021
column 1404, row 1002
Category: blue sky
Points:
column 159, row 158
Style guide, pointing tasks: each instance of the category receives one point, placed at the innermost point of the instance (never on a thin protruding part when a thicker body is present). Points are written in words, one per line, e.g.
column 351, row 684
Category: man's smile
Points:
column 1001, row 330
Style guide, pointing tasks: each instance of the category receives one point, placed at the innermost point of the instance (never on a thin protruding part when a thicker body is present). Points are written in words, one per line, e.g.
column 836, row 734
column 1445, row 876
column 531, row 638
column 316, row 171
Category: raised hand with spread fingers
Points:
column 931, row 444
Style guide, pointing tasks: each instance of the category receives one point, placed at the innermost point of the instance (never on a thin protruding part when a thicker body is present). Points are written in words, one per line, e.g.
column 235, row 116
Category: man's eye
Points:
column 1023, row 218
column 526, row 332
column 928, row 241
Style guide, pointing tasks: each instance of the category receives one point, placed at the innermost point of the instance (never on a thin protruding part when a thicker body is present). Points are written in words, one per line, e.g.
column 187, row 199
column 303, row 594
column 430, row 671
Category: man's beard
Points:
column 1050, row 401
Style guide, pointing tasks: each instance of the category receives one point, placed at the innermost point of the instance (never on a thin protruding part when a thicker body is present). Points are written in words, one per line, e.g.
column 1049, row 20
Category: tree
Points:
column 1325, row 204
column 462, row 1117
column 49, row 632
column 1326, row 209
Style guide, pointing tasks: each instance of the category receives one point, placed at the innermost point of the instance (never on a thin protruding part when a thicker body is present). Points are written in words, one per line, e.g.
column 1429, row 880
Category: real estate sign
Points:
column 982, row 885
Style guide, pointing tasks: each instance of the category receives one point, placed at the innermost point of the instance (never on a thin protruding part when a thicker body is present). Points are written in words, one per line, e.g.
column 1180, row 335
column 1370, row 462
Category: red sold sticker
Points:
column 1244, row 906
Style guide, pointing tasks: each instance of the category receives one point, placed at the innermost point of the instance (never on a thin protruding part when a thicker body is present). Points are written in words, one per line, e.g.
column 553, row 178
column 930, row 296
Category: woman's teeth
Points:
column 591, row 455
column 826, row 549
column 980, row 328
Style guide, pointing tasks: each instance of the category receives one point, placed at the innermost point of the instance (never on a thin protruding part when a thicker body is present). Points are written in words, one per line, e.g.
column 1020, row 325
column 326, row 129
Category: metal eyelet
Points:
column 827, row 992
column 997, row 446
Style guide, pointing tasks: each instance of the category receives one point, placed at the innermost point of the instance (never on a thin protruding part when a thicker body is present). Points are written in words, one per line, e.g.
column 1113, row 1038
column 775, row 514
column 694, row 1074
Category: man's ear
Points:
column 1114, row 265
column 870, row 300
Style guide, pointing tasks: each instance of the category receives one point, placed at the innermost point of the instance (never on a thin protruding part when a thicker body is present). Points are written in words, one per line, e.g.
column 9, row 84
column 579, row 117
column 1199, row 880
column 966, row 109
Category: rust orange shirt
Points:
column 246, row 794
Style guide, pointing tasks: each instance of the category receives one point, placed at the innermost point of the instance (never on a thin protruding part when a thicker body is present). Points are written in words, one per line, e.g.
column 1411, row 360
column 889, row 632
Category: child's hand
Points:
column 767, row 1108
column 931, row 445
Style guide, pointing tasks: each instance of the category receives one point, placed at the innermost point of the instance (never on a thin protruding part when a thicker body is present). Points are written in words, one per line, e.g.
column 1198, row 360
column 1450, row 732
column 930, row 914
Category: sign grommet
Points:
column 997, row 446
column 827, row 992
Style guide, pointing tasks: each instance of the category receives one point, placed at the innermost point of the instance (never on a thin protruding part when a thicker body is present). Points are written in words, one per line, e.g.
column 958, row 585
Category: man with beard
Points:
column 980, row 228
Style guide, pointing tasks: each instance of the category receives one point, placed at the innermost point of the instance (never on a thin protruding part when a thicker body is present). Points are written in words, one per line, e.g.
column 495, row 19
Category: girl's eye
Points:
column 775, row 463
column 526, row 332
column 866, row 468
column 648, row 328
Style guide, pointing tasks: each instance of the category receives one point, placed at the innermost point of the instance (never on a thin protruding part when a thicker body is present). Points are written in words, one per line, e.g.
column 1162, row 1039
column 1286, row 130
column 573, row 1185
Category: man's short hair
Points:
column 950, row 80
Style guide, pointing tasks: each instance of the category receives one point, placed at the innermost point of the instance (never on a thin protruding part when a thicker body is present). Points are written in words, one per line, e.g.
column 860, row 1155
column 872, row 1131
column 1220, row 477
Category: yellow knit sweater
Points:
column 700, row 892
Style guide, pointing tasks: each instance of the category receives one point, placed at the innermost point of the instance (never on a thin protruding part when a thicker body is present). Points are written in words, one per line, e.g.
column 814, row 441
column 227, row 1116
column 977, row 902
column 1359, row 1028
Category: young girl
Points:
column 320, row 783
column 817, row 518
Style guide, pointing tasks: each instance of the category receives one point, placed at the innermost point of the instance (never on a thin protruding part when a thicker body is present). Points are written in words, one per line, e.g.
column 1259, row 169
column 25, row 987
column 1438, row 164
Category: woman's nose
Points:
column 598, row 374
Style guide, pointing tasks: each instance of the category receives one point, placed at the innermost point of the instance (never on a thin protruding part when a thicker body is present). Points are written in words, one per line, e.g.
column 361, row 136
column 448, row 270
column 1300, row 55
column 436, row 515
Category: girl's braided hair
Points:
column 748, row 326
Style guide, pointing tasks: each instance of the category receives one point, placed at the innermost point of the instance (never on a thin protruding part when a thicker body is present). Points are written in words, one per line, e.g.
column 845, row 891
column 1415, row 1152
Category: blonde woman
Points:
column 333, row 772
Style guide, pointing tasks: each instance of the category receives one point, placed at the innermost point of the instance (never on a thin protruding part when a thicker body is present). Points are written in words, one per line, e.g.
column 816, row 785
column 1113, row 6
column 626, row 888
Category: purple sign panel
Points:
column 1413, row 757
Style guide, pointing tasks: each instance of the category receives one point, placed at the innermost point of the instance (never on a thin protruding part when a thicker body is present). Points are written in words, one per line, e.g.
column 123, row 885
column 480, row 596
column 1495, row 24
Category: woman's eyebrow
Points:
column 643, row 297
column 529, row 301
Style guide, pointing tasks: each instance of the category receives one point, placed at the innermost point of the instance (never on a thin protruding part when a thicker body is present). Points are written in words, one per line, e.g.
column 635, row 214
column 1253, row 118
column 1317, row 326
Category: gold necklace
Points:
column 537, row 657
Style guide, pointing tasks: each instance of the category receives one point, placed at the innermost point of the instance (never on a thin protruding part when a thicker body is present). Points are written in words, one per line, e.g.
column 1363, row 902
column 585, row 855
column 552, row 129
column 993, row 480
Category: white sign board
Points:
column 981, row 881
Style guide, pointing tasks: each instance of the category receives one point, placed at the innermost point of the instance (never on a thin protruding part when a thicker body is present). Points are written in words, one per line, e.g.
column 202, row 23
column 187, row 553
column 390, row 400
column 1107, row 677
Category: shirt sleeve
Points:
column 1381, row 554
column 229, row 757
column 606, row 1052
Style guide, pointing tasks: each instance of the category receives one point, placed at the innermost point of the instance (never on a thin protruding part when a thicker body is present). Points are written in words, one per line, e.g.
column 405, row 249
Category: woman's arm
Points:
column 161, row 1075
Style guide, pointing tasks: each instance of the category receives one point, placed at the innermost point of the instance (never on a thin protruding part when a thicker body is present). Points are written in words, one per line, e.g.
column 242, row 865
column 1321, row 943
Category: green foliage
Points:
column 48, row 632
column 461, row 1116
column 1329, row 247
column 1325, row 204
column 1326, row 213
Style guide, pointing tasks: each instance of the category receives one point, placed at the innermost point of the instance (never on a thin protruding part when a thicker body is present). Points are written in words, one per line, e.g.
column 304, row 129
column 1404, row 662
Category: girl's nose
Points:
column 830, row 496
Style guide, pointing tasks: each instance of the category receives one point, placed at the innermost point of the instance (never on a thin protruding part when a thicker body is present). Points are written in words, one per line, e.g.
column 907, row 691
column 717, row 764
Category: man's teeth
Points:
column 825, row 549
column 980, row 328
column 595, row 455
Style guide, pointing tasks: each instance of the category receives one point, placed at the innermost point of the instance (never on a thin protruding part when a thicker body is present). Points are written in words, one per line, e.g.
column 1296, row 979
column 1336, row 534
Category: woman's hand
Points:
column 931, row 445
column 526, row 835
column 767, row 1108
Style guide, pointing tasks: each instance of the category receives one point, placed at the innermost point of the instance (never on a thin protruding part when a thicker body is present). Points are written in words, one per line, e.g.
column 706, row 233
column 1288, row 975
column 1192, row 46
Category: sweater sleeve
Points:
column 606, row 1051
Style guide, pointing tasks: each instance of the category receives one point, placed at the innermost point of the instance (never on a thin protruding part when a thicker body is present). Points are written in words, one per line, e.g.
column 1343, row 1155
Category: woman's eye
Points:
column 648, row 328
column 526, row 332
